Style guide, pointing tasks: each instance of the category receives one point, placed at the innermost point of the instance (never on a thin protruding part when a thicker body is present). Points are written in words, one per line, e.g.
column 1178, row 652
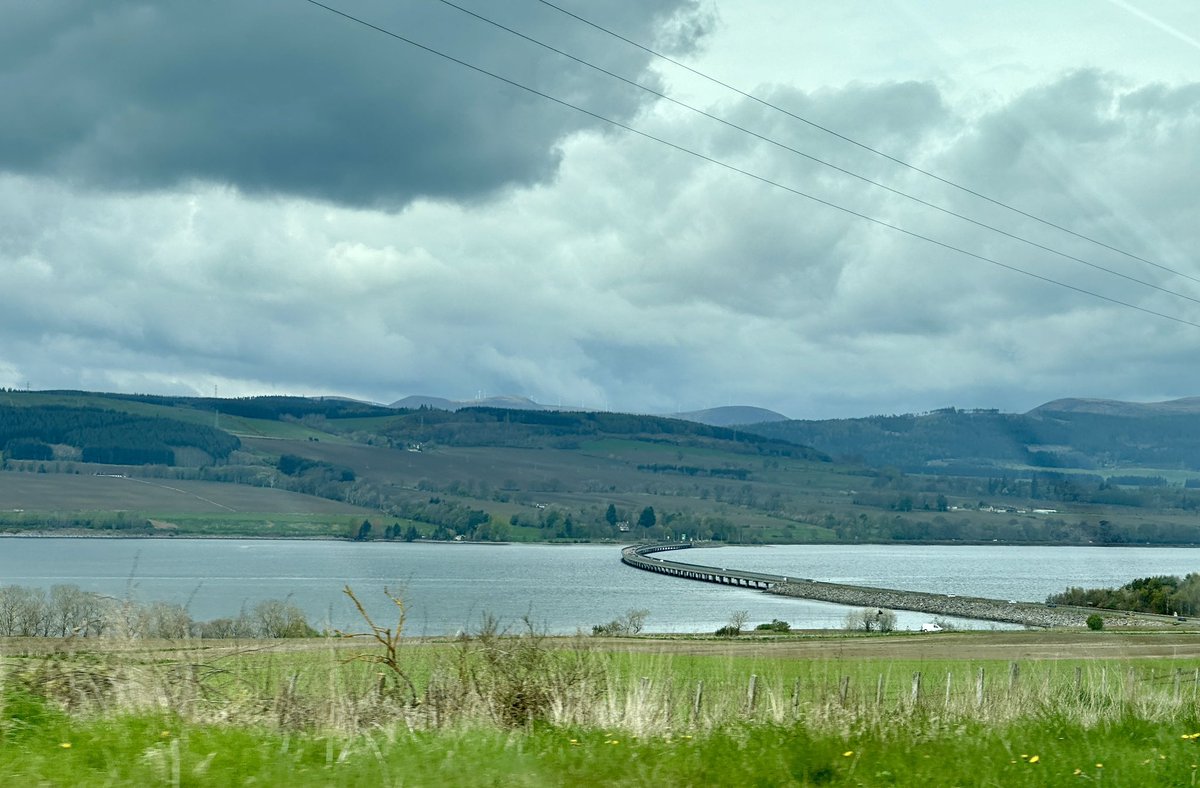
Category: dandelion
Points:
column 1034, row 758
column 1099, row 765
column 65, row 745
column 847, row 753
column 1077, row 772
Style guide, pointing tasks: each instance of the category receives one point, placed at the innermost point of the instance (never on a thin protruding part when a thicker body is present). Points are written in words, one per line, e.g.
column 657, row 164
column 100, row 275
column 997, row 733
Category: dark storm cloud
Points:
column 279, row 96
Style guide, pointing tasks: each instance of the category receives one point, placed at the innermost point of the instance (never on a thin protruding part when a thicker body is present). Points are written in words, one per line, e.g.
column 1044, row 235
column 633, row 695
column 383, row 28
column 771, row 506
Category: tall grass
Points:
column 514, row 706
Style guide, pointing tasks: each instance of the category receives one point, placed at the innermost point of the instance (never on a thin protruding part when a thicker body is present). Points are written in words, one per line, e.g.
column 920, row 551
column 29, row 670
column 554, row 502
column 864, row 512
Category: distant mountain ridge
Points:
column 725, row 416
column 1109, row 407
column 731, row 415
column 507, row 402
column 1066, row 433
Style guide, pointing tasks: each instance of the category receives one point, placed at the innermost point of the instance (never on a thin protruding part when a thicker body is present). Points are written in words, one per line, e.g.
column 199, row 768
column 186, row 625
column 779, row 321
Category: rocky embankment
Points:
column 1025, row 613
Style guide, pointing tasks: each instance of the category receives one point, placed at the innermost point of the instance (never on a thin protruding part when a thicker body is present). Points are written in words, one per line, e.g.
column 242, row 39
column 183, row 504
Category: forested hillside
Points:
column 104, row 436
column 529, row 428
column 974, row 441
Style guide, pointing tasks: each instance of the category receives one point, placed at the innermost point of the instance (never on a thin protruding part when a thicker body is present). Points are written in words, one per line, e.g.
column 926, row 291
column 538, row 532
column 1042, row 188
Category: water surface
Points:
column 448, row 587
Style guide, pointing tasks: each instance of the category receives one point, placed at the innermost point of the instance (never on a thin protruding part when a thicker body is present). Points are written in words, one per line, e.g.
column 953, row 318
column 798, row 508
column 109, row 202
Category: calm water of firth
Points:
column 448, row 587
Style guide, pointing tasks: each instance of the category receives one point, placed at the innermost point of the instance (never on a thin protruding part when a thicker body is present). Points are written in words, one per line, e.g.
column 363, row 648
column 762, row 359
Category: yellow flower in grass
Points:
column 65, row 745
column 847, row 753
column 1034, row 758
column 1077, row 772
column 1099, row 765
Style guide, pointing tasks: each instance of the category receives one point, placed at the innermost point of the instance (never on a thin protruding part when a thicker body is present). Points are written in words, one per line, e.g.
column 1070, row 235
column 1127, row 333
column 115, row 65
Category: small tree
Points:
column 610, row 514
column 647, row 519
column 871, row 619
column 775, row 626
column 629, row 624
column 1095, row 622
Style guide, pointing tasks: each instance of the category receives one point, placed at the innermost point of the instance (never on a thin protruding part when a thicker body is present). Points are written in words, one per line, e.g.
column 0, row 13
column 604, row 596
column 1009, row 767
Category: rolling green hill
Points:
column 497, row 474
column 1075, row 434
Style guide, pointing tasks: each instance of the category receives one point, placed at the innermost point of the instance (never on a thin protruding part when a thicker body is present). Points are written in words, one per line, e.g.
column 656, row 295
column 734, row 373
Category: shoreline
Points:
column 95, row 534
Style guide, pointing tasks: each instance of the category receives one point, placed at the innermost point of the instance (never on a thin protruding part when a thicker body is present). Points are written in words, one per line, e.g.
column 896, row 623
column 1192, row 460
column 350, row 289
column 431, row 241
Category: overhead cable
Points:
column 817, row 160
column 848, row 139
column 739, row 170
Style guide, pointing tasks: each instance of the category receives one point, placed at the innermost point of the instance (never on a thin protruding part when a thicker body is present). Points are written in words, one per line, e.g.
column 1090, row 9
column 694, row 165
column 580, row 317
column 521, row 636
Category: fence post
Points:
column 697, row 700
column 844, row 690
column 948, row 681
column 752, row 693
column 796, row 697
column 1014, row 675
column 979, row 688
column 916, row 687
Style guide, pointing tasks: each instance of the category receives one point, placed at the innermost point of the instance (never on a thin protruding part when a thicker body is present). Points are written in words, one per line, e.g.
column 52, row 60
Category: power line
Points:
column 864, row 146
column 817, row 160
column 739, row 170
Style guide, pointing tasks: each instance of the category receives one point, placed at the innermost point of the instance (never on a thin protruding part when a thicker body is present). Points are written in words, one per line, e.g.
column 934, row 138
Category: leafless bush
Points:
column 871, row 619
column 629, row 624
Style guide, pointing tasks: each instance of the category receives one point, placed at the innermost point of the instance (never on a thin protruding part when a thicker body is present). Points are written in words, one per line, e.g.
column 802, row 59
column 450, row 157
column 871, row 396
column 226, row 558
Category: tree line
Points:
column 69, row 611
column 105, row 436
column 1164, row 594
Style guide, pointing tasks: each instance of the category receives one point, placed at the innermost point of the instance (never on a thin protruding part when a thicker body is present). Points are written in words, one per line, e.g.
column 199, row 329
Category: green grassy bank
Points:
column 528, row 710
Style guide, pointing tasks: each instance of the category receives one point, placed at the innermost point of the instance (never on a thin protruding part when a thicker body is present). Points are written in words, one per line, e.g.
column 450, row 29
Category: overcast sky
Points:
column 270, row 198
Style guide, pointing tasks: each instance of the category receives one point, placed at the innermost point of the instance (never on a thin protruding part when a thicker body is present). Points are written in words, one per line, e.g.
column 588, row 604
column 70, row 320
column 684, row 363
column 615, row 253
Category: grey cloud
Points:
column 637, row 278
column 280, row 97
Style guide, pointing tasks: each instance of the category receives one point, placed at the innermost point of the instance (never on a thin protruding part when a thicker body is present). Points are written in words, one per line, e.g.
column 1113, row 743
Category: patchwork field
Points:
column 36, row 492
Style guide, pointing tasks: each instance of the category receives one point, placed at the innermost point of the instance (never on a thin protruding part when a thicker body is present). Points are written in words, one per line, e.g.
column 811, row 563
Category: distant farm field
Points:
column 45, row 492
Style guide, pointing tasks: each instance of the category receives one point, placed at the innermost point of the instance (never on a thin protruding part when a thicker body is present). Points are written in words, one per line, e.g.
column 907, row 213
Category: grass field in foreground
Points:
column 160, row 750
column 557, row 711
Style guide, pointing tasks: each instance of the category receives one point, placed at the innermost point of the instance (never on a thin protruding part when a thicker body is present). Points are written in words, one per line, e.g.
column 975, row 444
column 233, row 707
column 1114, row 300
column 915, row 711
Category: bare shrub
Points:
column 629, row 624
column 396, row 682
column 276, row 618
column 871, row 619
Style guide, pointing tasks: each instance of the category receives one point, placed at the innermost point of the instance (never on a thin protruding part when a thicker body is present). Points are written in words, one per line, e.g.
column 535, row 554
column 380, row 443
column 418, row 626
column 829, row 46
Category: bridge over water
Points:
column 1030, row 614
column 640, row 557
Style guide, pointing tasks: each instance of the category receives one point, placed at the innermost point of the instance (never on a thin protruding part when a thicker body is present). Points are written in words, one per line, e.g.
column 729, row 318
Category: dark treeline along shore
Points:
column 1072, row 472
